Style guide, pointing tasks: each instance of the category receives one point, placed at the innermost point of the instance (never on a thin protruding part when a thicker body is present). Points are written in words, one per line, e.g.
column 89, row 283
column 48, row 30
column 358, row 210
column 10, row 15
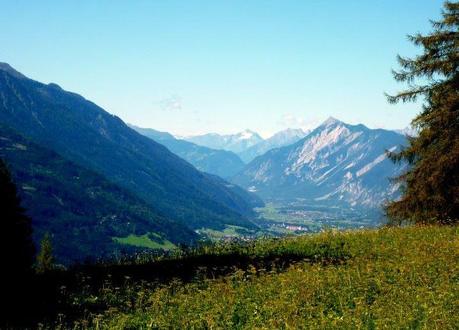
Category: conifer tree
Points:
column 45, row 259
column 430, row 187
column 16, row 255
column 16, row 247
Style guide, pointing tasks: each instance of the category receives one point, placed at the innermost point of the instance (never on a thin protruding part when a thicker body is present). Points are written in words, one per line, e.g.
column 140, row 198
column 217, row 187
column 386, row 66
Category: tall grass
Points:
column 385, row 278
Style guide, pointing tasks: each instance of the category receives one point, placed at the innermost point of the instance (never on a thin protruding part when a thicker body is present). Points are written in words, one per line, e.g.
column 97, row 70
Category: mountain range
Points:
column 320, row 165
column 222, row 161
column 87, row 136
column 214, row 161
column 247, row 144
column 336, row 163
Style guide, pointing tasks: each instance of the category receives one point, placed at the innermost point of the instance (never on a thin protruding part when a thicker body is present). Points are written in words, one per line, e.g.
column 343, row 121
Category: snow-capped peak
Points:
column 232, row 142
column 246, row 135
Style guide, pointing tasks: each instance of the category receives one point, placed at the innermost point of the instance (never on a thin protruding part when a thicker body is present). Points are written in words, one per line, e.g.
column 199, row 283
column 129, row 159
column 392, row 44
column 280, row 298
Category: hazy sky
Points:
column 190, row 67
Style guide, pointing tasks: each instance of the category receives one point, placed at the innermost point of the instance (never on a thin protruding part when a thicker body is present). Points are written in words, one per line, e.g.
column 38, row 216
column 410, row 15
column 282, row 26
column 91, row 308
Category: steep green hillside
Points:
column 387, row 278
column 81, row 209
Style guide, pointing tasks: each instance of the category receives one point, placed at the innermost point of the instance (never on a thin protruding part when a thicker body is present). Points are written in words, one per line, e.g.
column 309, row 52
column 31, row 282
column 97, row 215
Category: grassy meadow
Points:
column 384, row 278
column 151, row 241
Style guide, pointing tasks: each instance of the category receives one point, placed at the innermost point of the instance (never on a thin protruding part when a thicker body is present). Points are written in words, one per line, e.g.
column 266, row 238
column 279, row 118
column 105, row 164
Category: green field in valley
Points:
column 146, row 241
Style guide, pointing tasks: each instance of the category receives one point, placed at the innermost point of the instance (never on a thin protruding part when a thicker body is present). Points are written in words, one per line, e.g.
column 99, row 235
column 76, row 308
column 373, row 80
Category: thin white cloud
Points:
column 171, row 103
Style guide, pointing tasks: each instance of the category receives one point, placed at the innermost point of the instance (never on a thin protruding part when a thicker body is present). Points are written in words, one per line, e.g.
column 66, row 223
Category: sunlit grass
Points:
column 387, row 278
column 145, row 241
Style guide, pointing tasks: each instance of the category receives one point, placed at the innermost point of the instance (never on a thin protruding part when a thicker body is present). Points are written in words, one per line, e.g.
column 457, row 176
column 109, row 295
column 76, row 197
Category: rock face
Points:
column 336, row 163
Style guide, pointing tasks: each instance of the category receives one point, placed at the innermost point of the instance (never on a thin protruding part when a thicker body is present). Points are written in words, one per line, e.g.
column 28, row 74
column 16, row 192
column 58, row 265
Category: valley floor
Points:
column 300, row 216
column 382, row 278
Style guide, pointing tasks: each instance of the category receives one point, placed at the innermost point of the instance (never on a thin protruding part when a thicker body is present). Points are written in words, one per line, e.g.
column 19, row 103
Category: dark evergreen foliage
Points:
column 431, row 185
column 16, row 249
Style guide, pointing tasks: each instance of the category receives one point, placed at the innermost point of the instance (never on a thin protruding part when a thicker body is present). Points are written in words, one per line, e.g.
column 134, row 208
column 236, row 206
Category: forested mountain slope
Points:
column 81, row 209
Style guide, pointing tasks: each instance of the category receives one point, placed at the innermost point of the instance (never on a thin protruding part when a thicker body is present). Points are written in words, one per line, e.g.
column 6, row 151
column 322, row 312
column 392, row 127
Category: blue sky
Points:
column 191, row 67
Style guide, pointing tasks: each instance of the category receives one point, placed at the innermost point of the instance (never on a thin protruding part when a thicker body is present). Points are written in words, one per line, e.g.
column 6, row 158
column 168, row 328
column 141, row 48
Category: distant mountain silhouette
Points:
column 219, row 162
column 233, row 142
